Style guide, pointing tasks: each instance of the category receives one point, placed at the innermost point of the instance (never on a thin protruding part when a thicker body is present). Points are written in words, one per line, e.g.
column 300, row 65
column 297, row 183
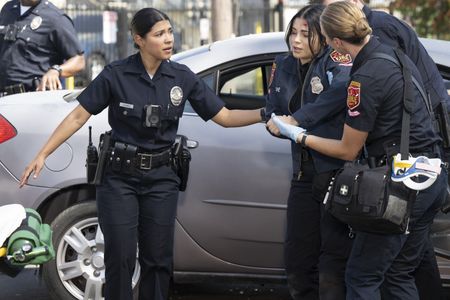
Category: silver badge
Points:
column 36, row 22
column 316, row 85
column 176, row 95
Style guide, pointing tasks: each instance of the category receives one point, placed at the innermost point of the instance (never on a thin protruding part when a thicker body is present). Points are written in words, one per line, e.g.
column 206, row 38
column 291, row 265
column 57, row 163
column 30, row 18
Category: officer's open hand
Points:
column 34, row 167
column 50, row 81
column 286, row 129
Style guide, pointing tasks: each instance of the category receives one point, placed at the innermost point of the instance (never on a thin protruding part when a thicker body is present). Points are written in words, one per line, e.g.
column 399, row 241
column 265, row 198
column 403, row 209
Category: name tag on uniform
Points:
column 126, row 105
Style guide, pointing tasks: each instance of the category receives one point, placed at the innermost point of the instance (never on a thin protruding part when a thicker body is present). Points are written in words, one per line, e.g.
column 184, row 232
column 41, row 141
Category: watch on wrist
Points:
column 303, row 141
column 262, row 113
column 57, row 68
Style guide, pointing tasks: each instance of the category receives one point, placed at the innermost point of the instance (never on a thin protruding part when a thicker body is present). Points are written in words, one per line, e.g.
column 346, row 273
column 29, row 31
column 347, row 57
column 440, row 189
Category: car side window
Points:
column 245, row 87
column 240, row 84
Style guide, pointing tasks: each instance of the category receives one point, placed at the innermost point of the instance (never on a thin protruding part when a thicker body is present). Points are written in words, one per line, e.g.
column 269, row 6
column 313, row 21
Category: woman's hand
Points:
column 283, row 125
column 34, row 167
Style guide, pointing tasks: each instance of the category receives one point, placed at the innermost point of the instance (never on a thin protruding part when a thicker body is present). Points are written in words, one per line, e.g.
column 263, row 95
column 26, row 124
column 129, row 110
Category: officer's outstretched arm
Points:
column 237, row 117
column 73, row 121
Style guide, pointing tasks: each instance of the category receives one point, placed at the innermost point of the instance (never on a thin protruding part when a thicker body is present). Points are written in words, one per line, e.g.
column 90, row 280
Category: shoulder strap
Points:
column 408, row 103
column 414, row 80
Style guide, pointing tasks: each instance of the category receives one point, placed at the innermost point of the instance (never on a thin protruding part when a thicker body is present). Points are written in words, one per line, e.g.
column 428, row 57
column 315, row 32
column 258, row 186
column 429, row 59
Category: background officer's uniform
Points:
column 137, row 205
column 396, row 33
column 33, row 42
column 314, row 94
column 376, row 107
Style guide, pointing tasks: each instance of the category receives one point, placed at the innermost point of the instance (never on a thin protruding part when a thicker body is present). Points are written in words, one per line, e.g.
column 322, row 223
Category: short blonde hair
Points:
column 345, row 21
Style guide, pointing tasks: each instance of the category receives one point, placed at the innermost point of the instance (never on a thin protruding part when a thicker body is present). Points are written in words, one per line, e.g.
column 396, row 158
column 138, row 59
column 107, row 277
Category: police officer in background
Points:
column 137, row 200
column 396, row 33
column 38, row 45
column 374, row 118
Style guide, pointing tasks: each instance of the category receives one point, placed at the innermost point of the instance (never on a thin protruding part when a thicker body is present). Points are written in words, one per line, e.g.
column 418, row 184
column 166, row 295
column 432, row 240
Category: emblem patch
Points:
column 340, row 58
column 353, row 95
column 176, row 95
column 36, row 23
column 316, row 85
column 272, row 74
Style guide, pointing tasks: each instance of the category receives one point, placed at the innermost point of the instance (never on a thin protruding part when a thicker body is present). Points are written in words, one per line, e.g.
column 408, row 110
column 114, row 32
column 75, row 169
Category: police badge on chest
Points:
column 316, row 85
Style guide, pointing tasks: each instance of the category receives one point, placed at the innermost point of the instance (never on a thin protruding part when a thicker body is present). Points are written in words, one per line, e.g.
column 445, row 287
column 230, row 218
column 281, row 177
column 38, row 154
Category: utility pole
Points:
column 221, row 19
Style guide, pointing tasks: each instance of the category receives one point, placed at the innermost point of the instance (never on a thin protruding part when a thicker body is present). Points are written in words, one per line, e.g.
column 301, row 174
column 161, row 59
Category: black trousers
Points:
column 138, row 209
column 303, row 236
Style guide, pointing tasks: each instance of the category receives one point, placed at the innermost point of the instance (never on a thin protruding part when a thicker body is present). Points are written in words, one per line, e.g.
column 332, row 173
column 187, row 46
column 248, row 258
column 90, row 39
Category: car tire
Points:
column 78, row 265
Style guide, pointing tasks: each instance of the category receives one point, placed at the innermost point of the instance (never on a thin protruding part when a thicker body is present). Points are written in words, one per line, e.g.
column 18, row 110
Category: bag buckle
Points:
column 145, row 162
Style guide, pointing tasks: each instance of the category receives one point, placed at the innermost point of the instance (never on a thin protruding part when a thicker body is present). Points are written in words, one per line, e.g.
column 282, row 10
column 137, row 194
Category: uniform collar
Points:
column 33, row 10
column 135, row 66
column 367, row 11
column 368, row 48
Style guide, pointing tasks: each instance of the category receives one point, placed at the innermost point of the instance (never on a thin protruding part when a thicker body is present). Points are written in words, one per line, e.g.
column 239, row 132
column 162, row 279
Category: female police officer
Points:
column 137, row 203
column 309, row 84
column 374, row 114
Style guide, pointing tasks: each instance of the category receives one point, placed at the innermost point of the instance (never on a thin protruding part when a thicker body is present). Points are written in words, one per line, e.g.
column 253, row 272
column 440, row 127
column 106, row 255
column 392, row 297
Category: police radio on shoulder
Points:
column 57, row 68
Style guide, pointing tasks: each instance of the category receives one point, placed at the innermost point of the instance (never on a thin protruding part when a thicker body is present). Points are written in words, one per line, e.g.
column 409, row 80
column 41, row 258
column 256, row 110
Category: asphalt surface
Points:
column 29, row 285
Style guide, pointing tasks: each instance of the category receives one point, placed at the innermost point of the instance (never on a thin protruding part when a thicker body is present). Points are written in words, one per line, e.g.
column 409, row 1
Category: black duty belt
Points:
column 13, row 89
column 148, row 161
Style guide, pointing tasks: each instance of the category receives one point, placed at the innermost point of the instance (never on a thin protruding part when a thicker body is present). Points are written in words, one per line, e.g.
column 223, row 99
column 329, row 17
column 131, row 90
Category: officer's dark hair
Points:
column 311, row 14
column 344, row 20
column 144, row 20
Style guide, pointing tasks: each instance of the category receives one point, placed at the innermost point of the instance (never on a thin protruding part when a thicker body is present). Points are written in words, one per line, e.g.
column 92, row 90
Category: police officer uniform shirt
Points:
column 126, row 88
column 43, row 36
column 375, row 101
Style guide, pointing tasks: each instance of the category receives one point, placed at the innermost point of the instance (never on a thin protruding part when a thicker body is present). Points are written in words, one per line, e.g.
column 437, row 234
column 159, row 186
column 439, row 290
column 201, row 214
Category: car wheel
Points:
column 78, row 270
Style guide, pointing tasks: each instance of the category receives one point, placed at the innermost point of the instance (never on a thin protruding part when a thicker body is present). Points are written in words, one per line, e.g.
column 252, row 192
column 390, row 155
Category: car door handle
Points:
column 191, row 144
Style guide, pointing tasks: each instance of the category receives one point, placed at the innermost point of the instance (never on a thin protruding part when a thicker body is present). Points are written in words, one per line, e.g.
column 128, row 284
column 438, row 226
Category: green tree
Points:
column 430, row 18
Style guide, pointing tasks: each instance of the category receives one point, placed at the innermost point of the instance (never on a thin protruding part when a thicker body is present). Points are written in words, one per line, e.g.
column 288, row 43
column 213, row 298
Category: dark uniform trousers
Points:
column 138, row 210
column 303, row 238
column 373, row 254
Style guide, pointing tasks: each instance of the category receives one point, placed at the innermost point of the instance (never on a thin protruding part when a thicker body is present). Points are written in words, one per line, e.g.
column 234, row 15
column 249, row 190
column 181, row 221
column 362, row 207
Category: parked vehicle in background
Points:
column 231, row 218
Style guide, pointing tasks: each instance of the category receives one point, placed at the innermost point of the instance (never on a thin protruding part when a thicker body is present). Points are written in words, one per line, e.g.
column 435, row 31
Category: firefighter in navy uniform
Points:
column 396, row 33
column 145, row 95
column 38, row 45
column 309, row 85
column 374, row 117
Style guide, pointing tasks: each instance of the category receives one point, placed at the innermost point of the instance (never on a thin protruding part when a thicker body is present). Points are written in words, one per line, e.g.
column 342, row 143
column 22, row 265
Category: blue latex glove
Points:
column 287, row 130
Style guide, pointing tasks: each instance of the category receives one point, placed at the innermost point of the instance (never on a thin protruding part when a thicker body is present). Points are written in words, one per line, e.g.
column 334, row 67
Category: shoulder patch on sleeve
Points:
column 353, row 95
column 340, row 58
column 272, row 73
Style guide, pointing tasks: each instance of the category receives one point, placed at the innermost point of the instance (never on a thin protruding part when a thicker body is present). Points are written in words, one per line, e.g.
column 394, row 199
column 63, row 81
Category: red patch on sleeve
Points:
column 353, row 95
column 340, row 58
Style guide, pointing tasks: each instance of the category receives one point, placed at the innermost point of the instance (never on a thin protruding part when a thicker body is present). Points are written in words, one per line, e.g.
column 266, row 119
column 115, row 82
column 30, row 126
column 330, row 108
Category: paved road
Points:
column 29, row 285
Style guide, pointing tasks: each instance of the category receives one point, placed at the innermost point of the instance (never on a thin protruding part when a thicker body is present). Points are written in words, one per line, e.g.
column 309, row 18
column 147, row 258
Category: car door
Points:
column 235, row 204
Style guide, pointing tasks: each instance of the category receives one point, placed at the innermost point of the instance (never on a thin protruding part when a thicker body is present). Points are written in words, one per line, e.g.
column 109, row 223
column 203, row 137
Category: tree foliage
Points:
column 430, row 18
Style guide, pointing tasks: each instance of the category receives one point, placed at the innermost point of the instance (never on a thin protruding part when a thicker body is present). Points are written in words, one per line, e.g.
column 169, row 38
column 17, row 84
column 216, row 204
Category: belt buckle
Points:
column 145, row 162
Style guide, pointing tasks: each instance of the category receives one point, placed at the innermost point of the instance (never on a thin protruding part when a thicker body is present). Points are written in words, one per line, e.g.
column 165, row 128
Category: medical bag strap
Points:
column 414, row 80
column 408, row 104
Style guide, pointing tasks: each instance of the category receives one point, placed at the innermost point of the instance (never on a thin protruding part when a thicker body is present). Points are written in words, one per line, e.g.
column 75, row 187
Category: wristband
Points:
column 303, row 141
column 262, row 113
column 57, row 68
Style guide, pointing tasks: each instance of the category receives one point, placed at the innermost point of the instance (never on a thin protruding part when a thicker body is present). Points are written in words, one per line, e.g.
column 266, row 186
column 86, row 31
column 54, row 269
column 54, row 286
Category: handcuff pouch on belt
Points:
column 181, row 158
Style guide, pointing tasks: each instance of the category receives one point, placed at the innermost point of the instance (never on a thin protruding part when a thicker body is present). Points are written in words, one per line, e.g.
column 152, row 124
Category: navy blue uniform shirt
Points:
column 321, row 107
column 45, row 37
column 126, row 88
column 398, row 34
column 375, row 102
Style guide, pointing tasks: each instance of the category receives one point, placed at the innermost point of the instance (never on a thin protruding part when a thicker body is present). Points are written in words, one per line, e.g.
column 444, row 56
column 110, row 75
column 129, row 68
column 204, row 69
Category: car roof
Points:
column 202, row 58
column 216, row 53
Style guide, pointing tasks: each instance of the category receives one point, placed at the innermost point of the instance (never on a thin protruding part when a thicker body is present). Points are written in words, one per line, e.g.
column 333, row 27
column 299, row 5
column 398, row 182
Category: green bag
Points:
column 31, row 243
